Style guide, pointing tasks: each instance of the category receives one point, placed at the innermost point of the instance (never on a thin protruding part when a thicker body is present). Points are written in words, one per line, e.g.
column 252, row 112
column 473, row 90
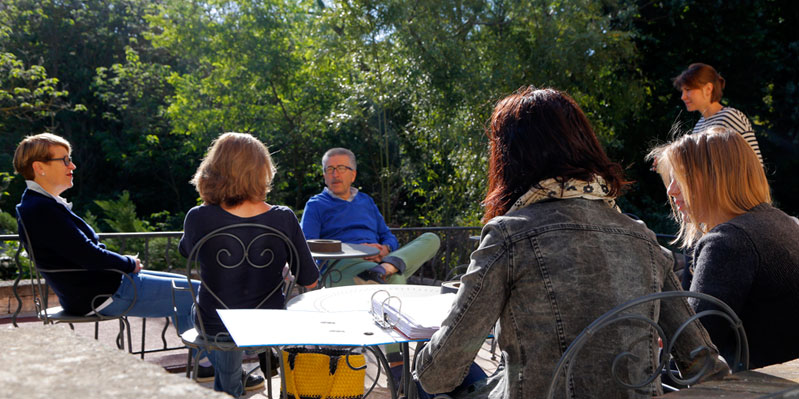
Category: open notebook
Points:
column 414, row 317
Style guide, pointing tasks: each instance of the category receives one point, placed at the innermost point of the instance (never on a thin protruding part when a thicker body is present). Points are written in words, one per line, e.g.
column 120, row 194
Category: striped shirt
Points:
column 734, row 120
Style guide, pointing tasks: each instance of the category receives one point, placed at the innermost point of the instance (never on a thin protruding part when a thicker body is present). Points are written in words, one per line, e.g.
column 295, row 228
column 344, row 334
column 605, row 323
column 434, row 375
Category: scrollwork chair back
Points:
column 245, row 245
column 621, row 313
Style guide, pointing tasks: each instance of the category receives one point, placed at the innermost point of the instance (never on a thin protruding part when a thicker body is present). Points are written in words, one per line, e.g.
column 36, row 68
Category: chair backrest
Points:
column 41, row 291
column 623, row 313
column 243, row 245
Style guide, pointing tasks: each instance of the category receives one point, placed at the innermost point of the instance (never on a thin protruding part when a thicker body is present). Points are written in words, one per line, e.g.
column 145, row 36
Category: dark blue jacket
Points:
column 62, row 240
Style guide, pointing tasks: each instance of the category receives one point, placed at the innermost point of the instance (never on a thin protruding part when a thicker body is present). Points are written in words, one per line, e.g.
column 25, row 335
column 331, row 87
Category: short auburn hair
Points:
column 36, row 148
column 237, row 168
column 699, row 74
column 717, row 171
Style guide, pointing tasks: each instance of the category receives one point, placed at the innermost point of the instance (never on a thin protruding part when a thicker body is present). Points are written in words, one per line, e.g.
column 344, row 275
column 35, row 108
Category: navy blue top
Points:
column 62, row 240
column 356, row 222
column 243, row 287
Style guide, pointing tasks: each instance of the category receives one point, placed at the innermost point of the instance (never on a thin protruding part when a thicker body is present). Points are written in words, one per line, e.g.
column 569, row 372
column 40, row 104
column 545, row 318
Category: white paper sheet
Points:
column 265, row 327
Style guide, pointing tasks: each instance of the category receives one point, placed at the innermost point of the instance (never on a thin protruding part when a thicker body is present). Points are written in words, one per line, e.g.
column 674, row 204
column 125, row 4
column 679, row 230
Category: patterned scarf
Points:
column 548, row 189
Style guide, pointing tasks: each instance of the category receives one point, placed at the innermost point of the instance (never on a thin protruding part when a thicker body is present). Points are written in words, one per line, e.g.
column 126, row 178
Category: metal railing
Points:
column 159, row 250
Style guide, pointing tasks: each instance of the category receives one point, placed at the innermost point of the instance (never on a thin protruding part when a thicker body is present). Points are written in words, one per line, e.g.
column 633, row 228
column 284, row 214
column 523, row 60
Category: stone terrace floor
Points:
column 175, row 361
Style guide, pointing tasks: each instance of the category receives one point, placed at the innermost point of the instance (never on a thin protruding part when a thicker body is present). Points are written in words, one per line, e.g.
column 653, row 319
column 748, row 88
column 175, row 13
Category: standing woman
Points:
column 62, row 240
column 746, row 251
column 555, row 254
column 702, row 88
column 233, row 180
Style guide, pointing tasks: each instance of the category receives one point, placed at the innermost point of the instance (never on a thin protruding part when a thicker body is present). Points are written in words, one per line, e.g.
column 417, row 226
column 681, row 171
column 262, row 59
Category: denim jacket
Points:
column 542, row 274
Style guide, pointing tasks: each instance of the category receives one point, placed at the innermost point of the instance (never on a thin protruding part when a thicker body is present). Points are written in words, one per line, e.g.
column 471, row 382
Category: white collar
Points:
column 32, row 185
column 353, row 192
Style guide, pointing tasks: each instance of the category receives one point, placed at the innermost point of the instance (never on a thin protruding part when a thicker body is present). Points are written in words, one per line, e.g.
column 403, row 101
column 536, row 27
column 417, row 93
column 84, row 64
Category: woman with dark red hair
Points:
column 555, row 254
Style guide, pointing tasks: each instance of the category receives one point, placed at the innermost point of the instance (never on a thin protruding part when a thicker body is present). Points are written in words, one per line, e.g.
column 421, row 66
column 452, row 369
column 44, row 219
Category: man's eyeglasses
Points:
column 66, row 160
column 340, row 169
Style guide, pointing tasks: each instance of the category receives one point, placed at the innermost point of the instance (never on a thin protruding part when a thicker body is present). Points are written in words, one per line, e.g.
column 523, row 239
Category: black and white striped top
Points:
column 734, row 120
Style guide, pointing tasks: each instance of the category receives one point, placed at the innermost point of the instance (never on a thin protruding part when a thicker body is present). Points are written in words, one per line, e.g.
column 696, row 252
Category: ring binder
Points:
column 422, row 318
column 382, row 317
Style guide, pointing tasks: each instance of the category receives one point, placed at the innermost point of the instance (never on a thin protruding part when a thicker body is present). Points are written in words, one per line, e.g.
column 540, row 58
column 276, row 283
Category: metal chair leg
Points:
column 188, row 365
column 143, row 330
column 265, row 361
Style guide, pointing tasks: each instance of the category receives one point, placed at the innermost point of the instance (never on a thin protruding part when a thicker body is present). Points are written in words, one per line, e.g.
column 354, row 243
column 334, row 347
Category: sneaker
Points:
column 205, row 373
column 253, row 382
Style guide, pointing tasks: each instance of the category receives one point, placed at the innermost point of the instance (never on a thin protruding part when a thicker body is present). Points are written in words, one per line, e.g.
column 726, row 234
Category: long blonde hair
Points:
column 718, row 172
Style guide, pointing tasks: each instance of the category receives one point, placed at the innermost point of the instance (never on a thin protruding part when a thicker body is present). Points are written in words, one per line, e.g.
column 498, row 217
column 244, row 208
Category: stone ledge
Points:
column 52, row 361
column 8, row 303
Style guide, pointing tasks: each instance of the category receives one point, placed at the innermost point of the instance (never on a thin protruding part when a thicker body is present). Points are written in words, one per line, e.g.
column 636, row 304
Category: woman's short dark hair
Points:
column 537, row 134
column 237, row 168
column 699, row 74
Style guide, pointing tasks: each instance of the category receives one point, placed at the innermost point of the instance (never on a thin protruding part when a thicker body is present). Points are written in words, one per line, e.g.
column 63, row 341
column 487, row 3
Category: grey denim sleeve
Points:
column 443, row 364
column 672, row 314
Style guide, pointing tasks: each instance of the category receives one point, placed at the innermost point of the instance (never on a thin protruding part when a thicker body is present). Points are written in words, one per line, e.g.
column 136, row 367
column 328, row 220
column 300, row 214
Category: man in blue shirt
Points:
column 341, row 212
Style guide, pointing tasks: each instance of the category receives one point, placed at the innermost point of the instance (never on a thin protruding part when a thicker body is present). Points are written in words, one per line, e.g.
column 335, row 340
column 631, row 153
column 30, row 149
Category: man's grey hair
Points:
column 339, row 151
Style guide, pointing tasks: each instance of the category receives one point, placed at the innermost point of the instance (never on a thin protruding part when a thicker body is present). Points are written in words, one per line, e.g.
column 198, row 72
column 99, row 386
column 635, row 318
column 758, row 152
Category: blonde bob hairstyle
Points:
column 36, row 148
column 718, row 172
column 237, row 168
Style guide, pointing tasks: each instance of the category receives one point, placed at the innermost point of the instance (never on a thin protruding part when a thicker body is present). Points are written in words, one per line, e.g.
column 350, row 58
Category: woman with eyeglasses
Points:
column 61, row 240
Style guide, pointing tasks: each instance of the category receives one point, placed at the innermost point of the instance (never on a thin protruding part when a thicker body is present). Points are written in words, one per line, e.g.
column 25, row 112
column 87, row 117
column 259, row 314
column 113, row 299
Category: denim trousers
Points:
column 227, row 371
column 153, row 298
column 414, row 254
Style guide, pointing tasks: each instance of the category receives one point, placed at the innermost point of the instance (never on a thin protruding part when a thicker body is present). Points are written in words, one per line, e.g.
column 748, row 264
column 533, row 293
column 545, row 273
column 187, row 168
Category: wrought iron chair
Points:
column 266, row 240
column 622, row 313
column 40, row 293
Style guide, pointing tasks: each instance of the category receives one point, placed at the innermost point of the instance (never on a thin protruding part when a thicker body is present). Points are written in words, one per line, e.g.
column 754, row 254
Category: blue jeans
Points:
column 154, row 298
column 227, row 371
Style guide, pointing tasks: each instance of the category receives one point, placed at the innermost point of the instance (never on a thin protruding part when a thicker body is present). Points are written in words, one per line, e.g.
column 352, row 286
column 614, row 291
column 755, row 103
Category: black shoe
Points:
column 370, row 275
column 253, row 382
column 205, row 373
column 274, row 363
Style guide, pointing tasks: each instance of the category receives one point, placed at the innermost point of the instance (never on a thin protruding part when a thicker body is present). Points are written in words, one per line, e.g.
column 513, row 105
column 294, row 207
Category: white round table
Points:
column 348, row 251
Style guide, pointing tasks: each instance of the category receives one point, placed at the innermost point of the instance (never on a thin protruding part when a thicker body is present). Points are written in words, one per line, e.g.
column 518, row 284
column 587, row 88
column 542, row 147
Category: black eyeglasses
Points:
column 340, row 169
column 66, row 160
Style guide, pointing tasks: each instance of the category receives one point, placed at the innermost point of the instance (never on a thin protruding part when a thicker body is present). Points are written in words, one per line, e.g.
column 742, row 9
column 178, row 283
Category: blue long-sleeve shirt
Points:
column 357, row 221
column 62, row 240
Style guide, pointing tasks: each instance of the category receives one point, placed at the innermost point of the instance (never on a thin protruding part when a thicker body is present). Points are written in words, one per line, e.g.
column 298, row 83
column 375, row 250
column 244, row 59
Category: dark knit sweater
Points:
column 752, row 263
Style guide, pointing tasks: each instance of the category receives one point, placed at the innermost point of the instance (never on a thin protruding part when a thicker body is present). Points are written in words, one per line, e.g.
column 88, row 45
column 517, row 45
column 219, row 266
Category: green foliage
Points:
column 8, row 223
column 754, row 46
column 120, row 214
column 408, row 88
column 27, row 93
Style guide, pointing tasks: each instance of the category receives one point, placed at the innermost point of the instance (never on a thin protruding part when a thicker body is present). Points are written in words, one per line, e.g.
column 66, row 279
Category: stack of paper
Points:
column 415, row 317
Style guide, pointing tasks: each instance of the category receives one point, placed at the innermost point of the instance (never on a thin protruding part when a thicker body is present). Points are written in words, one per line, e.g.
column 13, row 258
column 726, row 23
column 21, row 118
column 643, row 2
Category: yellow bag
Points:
column 323, row 373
